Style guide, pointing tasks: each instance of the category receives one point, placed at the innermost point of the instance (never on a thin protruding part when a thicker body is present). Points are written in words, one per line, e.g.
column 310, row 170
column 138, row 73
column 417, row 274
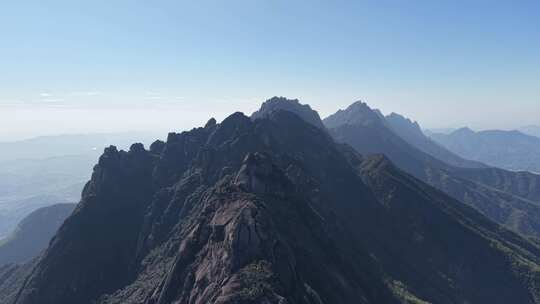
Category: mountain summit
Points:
column 357, row 113
column 291, row 105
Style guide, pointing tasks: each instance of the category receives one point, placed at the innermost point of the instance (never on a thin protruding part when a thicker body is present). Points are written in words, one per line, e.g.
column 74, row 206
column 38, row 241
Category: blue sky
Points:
column 97, row 66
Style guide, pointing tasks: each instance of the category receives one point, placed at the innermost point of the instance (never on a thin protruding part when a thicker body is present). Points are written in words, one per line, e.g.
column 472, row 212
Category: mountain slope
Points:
column 244, row 211
column 412, row 133
column 12, row 212
column 34, row 233
column 510, row 150
column 521, row 184
column 508, row 198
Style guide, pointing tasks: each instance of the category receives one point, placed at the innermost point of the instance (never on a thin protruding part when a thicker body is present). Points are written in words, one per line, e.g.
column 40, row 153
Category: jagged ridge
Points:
column 273, row 211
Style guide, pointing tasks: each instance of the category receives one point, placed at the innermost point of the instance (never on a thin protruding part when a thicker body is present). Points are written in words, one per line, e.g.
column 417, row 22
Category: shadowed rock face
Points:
column 509, row 198
column 272, row 211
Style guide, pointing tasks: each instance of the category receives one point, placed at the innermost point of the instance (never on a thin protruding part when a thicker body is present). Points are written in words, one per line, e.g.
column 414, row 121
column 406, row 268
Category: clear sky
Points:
column 113, row 65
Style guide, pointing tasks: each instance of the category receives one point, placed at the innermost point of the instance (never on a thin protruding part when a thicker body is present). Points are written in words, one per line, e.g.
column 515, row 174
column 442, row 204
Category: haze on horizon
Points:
column 112, row 66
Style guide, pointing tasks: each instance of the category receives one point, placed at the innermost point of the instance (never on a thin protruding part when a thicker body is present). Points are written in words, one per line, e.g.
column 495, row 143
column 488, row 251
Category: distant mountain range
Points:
column 33, row 233
column 509, row 198
column 512, row 150
column 283, row 208
column 412, row 133
column 531, row 130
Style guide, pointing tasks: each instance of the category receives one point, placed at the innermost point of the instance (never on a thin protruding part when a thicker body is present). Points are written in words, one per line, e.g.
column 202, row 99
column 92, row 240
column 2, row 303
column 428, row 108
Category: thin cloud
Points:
column 154, row 98
column 11, row 102
column 53, row 100
column 86, row 93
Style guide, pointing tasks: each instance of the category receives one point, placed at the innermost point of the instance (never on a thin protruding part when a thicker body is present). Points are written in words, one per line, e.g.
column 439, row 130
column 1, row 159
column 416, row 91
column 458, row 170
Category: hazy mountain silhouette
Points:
column 531, row 130
column 33, row 233
column 12, row 212
column 271, row 210
column 510, row 150
column 438, row 130
column 509, row 198
column 412, row 133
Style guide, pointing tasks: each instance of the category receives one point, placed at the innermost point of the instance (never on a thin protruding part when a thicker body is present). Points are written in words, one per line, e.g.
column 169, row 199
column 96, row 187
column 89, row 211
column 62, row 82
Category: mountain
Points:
column 33, row 233
column 47, row 170
column 357, row 113
column 430, row 131
column 270, row 210
column 13, row 212
column 292, row 105
column 510, row 150
column 531, row 130
column 412, row 133
column 509, row 198
column 29, row 184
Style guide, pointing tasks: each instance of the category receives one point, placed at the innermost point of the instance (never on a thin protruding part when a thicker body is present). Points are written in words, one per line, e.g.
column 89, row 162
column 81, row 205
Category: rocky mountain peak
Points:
column 211, row 122
column 404, row 121
column 157, row 146
column 405, row 127
column 304, row 111
column 465, row 131
column 357, row 113
column 137, row 148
